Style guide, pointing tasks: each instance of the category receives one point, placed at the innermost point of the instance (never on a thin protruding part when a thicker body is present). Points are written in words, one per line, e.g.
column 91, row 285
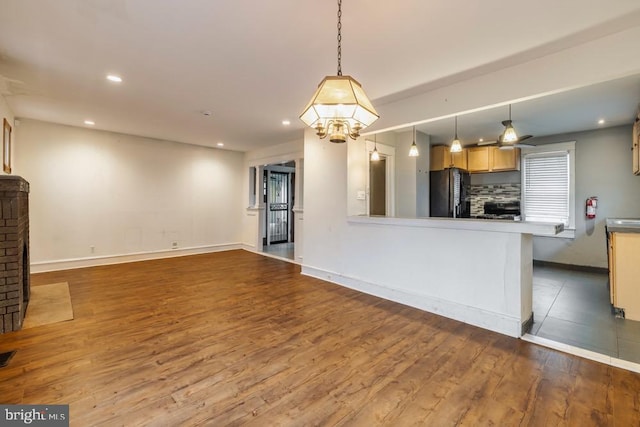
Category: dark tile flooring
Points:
column 572, row 307
column 283, row 250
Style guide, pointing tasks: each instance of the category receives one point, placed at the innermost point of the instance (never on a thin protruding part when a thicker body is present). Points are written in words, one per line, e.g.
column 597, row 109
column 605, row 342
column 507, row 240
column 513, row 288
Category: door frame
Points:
column 389, row 153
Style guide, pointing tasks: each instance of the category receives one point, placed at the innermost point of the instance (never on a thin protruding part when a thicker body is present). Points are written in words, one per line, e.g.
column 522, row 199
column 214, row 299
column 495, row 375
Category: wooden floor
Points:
column 236, row 338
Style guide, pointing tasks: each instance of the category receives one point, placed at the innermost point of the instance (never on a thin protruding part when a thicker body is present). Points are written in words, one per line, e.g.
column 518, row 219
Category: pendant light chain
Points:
column 339, row 37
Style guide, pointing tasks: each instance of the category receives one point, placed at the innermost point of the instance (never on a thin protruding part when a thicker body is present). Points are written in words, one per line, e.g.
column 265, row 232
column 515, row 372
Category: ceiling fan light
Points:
column 509, row 134
column 456, row 147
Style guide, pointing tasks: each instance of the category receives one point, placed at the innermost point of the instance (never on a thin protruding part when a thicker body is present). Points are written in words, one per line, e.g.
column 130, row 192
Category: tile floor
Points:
column 572, row 307
column 283, row 250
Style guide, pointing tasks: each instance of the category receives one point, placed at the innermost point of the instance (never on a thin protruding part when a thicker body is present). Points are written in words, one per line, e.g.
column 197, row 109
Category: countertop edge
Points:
column 502, row 226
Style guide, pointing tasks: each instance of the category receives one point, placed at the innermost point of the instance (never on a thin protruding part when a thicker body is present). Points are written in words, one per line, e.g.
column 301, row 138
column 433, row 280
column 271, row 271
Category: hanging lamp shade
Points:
column 339, row 105
column 413, row 151
column 509, row 134
column 339, row 108
column 456, row 146
column 375, row 156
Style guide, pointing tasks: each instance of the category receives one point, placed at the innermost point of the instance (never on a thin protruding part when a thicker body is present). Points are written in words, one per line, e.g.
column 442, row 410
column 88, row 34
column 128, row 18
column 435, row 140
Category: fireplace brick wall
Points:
column 14, row 252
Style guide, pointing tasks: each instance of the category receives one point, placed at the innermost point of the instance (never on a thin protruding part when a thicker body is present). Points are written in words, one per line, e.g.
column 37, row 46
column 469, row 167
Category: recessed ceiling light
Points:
column 286, row 122
column 89, row 122
column 220, row 144
column 114, row 78
column 601, row 121
column 481, row 140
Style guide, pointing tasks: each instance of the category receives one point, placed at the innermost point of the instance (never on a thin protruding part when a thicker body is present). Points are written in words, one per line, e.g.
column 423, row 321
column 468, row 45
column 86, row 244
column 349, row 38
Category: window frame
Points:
column 570, row 148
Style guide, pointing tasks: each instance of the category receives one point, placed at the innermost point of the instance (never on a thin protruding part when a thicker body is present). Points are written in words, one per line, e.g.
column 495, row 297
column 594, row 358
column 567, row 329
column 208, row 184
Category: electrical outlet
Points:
column 92, row 249
column 174, row 245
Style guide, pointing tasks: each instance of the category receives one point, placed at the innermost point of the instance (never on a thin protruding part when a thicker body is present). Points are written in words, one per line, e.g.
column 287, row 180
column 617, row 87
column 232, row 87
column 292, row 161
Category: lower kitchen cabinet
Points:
column 636, row 147
column 624, row 271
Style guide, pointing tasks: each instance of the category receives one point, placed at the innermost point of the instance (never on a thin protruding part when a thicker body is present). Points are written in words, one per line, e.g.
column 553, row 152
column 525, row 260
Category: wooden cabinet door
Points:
column 504, row 160
column 439, row 153
column 442, row 158
column 612, row 269
column 478, row 159
column 459, row 160
column 626, row 247
column 636, row 148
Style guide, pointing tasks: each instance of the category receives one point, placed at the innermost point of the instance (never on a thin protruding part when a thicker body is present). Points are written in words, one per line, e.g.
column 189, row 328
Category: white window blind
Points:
column 546, row 187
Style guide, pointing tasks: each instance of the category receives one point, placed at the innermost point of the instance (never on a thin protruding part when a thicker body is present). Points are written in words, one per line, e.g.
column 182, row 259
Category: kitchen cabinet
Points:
column 636, row 147
column 624, row 270
column 478, row 159
column 492, row 159
column 504, row 160
column 442, row 158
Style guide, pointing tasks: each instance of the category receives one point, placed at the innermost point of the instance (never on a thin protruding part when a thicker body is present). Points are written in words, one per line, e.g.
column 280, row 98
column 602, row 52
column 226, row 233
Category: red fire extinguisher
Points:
column 592, row 204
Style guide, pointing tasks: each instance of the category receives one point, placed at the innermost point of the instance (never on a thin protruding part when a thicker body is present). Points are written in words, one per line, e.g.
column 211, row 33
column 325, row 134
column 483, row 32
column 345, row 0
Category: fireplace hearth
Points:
column 14, row 252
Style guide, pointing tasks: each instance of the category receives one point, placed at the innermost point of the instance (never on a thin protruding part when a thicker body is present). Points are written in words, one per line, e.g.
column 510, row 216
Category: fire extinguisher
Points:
column 592, row 204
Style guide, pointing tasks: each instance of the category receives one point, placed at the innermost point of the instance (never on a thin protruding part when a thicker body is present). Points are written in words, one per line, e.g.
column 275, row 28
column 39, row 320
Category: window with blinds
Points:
column 546, row 187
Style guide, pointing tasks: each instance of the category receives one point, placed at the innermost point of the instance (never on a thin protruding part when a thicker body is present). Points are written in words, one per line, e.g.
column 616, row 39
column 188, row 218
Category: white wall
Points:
column 474, row 276
column 603, row 169
column 6, row 113
column 442, row 265
column 411, row 180
column 101, row 194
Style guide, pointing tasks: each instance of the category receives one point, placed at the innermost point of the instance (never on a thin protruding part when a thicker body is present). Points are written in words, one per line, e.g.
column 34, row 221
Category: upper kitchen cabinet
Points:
column 504, row 160
column 442, row 158
column 492, row 159
column 478, row 159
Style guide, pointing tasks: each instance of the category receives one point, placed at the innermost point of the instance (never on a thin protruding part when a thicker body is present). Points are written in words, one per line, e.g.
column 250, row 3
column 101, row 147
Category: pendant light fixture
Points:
column 509, row 135
column 339, row 107
column 456, row 147
column 375, row 156
column 413, row 151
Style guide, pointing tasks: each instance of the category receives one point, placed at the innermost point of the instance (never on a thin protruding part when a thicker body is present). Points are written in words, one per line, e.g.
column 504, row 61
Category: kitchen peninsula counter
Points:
column 469, row 224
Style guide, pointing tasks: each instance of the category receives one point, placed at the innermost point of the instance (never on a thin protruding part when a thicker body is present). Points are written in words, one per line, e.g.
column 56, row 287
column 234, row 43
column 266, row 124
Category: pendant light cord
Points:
column 456, row 137
column 339, row 37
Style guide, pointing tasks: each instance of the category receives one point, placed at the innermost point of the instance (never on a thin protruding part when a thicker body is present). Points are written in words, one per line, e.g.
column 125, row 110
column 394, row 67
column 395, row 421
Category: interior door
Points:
column 378, row 187
column 278, row 189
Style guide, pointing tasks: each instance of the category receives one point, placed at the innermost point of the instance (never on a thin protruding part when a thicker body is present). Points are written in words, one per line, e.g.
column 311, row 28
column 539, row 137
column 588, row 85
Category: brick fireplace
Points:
column 14, row 252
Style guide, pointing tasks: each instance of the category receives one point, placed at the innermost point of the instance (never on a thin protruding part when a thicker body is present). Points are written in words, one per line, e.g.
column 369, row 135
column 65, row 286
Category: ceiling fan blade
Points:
column 523, row 137
column 483, row 143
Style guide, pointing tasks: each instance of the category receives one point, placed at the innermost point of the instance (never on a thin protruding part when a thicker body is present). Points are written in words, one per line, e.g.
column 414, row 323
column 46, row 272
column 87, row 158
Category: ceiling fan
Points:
column 508, row 139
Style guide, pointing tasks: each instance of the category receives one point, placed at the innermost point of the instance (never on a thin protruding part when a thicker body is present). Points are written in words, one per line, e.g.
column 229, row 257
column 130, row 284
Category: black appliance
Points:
column 509, row 210
column 448, row 193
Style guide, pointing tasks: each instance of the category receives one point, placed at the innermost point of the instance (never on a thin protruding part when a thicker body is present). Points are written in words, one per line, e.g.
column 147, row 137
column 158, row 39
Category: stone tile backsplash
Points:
column 478, row 194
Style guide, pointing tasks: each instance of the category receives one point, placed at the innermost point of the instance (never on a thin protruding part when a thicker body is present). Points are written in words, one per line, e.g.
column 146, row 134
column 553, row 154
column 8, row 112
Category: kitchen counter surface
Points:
column 623, row 225
column 503, row 226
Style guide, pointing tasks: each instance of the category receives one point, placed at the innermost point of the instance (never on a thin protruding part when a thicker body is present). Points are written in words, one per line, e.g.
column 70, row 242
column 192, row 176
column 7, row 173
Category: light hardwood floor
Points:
column 236, row 338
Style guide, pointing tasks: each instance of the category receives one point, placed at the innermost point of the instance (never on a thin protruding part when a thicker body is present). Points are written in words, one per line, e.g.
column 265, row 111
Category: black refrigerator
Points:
column 448, row 193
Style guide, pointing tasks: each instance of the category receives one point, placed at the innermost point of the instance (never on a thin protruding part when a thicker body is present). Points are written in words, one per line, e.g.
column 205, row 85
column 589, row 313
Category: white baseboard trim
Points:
column 581, row 352
column 497, row 322
column 68, row 264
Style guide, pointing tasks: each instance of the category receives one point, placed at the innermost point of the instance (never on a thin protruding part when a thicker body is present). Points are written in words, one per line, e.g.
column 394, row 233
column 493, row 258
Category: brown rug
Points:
column 48, row 304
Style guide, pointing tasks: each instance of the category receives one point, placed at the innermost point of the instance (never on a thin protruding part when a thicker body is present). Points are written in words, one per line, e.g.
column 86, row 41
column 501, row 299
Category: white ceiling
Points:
column 254, row 63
